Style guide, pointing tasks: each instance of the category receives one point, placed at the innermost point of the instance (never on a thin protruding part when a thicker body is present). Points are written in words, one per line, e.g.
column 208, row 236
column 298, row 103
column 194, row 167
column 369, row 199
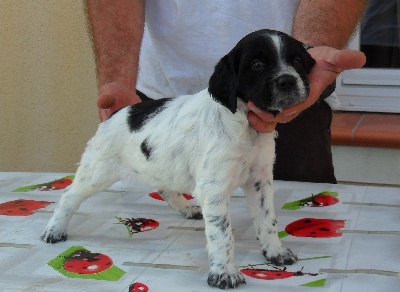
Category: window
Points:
column 376, row 87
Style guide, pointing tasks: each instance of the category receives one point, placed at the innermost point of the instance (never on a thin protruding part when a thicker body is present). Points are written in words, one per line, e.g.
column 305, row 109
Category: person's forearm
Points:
column 327, row 22
column 116, row 28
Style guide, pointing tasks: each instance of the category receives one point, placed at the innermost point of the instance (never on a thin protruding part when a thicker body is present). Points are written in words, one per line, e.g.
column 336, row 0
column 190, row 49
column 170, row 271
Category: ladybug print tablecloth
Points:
column 128, row 239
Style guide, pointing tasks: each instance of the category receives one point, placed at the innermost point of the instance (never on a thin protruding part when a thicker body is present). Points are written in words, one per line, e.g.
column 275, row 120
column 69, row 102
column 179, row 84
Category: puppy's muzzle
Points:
column 285, row 83
column 287, row 92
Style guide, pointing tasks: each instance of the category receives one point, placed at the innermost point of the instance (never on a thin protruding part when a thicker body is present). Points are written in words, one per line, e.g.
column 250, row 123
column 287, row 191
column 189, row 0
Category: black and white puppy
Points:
column 203, row 144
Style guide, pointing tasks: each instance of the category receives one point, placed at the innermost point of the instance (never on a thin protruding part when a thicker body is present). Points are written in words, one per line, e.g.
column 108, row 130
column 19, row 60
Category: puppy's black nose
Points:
column 286, row 82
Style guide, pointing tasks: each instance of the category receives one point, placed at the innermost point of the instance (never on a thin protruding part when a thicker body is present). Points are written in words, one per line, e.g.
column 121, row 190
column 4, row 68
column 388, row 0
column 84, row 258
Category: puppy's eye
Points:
column 297, row 62
column 257, row 65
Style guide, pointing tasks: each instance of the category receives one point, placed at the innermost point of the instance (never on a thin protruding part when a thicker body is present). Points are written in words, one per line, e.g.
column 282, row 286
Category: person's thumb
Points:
column 106, row 101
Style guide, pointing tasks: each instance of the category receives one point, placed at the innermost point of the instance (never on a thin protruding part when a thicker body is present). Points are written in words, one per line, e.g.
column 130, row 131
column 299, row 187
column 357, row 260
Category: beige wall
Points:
column 47, row 85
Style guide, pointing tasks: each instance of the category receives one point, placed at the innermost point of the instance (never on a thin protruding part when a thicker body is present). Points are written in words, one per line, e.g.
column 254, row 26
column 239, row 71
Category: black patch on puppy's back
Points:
column 145, row 148
column 139, row 113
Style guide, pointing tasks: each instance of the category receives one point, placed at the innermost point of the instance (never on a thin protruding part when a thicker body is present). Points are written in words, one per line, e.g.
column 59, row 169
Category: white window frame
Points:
column 369, row 89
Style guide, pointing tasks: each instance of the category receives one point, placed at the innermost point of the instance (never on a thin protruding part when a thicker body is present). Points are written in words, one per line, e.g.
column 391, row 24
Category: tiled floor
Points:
column 363, row 255
column 366, row 129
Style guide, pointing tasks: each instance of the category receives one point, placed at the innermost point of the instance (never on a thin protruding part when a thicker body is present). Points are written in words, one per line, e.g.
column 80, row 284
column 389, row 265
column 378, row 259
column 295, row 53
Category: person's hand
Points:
column 330, row 63
column 114, row 96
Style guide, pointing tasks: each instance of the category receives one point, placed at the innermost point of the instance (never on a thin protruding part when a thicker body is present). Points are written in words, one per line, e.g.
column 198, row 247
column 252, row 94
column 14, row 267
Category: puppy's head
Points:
column 266, row 67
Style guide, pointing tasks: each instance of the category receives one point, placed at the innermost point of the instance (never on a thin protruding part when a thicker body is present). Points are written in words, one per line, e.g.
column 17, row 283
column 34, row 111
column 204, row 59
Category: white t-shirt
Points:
column 184, row 39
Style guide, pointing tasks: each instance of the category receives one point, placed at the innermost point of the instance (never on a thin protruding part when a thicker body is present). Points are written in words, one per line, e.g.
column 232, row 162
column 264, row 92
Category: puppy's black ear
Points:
column 310, row 62
column 223, row 83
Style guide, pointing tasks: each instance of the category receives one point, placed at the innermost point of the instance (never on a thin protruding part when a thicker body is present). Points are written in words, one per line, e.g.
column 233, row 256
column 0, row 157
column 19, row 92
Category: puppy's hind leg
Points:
column 89, row 179
column 178, row 202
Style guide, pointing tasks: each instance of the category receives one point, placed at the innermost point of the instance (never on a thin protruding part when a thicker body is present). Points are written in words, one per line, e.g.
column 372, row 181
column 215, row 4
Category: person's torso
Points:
column 183, row 39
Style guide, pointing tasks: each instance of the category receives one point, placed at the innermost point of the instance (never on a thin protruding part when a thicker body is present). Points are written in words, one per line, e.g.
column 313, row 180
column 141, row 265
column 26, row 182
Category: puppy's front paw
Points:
column 50, row 236
column 226, row 279
column 280, row 257
column 193, row 212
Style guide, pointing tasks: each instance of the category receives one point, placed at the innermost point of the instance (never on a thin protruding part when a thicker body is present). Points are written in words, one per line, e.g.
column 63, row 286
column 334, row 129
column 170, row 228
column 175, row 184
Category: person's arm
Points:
column 117, row 29
column 326, row 25
column 327, row 22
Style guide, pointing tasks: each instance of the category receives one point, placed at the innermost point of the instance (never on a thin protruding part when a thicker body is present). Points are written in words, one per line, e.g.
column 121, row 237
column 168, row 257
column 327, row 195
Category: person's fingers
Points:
column 105, row 101
column 104, row 114
column 114, row 96
column 259, row 125
column 346, row 59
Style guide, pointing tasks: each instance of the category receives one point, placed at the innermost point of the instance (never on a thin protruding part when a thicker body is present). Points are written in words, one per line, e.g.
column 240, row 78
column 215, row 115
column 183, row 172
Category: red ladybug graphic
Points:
column 157, row 196
column 322, row 200
column 22, row 207
column 313, row 227
column 263, row 274
column 138, row 287
column 276, row 274
column 58, row 184
column 136, row 225
column 61, row 183
column 85, row 262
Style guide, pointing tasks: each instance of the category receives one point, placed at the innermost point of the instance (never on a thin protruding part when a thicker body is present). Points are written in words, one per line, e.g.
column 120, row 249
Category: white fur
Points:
column 199, row 147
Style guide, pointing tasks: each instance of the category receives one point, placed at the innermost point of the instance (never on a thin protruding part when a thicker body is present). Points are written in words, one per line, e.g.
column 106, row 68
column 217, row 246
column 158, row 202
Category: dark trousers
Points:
column 303, row 146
